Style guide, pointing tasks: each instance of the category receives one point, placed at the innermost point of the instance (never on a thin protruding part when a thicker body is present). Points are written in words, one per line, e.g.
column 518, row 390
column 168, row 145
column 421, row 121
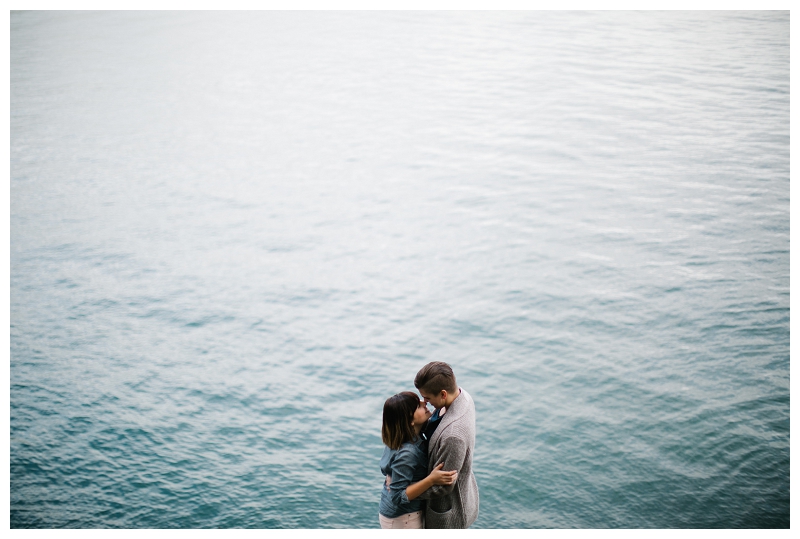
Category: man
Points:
column 451, row 440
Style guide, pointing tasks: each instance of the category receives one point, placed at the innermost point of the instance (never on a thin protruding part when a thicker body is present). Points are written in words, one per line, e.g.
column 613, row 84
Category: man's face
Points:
column 437, row 400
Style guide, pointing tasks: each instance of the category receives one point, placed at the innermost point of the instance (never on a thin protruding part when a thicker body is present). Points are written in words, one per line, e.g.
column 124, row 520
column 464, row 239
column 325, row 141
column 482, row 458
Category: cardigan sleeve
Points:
column 453, row 453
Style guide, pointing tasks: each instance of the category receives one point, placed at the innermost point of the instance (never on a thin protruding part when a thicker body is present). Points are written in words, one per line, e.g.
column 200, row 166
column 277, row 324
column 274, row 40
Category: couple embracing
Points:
column 427, row 460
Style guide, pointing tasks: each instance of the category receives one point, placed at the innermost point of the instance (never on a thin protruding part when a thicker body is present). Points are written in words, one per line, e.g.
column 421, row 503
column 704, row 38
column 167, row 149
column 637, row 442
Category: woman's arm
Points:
column 403, row 472
column 436, row 477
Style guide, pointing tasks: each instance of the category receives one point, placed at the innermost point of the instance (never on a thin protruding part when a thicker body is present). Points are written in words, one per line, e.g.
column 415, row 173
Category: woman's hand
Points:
column 436, row 477
column 440, row 477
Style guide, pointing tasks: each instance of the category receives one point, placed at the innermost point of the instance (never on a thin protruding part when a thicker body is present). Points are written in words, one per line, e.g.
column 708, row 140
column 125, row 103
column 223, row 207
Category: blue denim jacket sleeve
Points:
column 406, row 462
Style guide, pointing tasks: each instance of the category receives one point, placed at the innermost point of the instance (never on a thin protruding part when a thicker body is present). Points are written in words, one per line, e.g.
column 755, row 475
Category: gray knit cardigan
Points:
column 453, row 442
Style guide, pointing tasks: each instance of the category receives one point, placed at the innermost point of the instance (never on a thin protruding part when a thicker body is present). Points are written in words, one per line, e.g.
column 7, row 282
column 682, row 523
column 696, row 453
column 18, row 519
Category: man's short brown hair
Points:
column 434, row 377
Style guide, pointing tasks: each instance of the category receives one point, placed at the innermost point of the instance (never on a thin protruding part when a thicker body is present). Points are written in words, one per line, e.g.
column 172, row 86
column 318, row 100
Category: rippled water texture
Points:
column 234, row 235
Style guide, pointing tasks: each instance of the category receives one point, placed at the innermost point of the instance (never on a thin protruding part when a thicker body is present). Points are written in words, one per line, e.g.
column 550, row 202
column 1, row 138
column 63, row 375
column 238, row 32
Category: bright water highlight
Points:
column 234, row 235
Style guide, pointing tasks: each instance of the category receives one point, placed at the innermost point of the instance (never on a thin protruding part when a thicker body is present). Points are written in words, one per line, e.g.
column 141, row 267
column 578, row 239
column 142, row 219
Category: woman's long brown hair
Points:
column 398, row 413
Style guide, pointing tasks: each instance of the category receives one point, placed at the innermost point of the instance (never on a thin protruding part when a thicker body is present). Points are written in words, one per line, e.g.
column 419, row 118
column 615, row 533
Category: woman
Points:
column 405, row 463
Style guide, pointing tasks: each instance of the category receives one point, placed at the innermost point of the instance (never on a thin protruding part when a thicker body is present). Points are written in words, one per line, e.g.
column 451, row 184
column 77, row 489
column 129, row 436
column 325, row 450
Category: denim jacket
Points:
column 402, row 467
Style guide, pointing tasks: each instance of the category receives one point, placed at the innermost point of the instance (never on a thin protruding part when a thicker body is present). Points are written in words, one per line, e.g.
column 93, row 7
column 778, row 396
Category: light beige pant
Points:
column 415, row 520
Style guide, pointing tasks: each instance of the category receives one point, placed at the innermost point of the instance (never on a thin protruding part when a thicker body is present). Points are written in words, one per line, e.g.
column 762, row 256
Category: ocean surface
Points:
column 234, row 235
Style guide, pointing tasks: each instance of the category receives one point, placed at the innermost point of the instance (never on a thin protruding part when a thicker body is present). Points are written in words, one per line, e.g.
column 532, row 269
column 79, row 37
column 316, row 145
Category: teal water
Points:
column 234, row 235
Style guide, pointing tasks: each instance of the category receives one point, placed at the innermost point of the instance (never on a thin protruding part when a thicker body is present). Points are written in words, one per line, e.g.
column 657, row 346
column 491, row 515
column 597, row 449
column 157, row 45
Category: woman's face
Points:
column 421, row 414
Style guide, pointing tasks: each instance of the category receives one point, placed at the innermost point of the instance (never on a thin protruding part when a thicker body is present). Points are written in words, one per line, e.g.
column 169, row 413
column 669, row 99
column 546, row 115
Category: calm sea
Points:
column 234, row 235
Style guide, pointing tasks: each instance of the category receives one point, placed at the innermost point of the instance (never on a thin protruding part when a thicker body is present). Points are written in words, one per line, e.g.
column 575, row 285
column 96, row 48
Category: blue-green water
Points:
column 234, row 235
